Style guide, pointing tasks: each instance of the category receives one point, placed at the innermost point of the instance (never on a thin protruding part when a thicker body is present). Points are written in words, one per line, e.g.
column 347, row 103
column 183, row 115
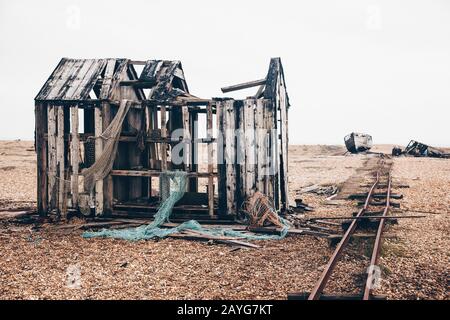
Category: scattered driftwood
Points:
column 320, row 190
column 272, row 230
column 11, row 214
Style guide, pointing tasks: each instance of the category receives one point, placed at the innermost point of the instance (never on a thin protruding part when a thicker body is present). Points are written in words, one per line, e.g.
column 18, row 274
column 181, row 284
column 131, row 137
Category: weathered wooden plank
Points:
column 241, row 153
column 163, row 135
column 106, row 114
column 284, row 142
column 98, row 127
column 221, row 172
column 74, row 155
column 89, row 79
column 154, row 173
column 52, row 79
column 209, row 136
column 52, row 173
column 73, row 80
column 41, row 153
column 60, row 163
column 250, row 150
column 151, row 70
column 267, row 127
column 260, row 135
column 186, row 138
column 193, row 182
column 230, row 156
column 245, row 85
column 60, row 81
column 275, row 156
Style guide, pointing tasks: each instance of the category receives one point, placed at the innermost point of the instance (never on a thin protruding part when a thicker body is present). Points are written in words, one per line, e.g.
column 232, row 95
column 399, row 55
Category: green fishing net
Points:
column 175, row 182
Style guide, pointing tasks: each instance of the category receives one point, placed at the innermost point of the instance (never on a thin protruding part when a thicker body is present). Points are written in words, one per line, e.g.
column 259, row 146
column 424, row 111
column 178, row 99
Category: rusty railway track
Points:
column 317, row 291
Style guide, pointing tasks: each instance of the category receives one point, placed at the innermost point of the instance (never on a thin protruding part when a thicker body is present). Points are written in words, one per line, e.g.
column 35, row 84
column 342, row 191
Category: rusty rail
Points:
column 377, row 245
column 326, row 274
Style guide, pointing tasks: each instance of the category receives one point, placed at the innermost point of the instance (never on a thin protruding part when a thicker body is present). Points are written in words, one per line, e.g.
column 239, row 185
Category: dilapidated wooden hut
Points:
column 244, row 142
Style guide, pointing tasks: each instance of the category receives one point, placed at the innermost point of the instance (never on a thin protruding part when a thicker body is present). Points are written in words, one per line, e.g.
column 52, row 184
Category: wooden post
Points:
column 284, row 144
column 106, row 118
column 51, row 123
column 221, row 172
column 249, row 114
column 187, row 139
column 193, row 182
column 209, row 127
column 41, row 152
column 98, row 130
column 163, row 182
column 74, row 155
column 230, row 156
column 260, row 145
column 242, row 151
column 60, row 163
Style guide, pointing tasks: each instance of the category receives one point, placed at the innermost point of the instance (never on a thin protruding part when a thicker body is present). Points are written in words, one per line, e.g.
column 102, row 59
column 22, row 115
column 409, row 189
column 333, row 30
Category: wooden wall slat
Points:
column 60, row 163
column 260, row 135
column 209, row 136
column 41, row 152
column 284, row 198
column 52, row 173
column 98, row 130
column 221, row 172
column 74, row 155
column 230, row 156
column 250, row 150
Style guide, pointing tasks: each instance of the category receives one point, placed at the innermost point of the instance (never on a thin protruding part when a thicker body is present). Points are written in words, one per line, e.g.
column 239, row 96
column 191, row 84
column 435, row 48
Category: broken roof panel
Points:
column 73, row 79
column 167, row 77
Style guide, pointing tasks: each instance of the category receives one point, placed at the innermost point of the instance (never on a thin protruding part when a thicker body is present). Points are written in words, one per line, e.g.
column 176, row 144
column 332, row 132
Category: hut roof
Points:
column 74, row 79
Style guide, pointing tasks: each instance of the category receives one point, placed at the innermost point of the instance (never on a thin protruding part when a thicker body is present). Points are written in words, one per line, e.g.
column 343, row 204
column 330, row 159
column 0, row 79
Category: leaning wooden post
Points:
column 209, row 127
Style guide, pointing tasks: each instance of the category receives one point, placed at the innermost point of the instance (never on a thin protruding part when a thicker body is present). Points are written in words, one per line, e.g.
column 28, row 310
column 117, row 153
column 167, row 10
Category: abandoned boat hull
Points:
column 358, row 142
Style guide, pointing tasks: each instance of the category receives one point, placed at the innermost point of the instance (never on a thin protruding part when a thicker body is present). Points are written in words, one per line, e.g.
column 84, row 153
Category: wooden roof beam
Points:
column 245, row 85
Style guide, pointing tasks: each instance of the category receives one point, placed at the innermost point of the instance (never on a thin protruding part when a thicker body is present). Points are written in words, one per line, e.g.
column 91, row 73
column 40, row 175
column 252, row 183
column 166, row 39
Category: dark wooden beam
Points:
column 245, row 85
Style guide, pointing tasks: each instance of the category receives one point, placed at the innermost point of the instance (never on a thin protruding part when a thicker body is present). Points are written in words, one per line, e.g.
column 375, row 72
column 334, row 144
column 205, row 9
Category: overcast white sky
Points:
column 381, row 67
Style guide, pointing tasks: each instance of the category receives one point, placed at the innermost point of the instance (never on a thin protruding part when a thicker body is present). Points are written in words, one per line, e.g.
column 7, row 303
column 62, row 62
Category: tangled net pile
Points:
column 176, row 182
